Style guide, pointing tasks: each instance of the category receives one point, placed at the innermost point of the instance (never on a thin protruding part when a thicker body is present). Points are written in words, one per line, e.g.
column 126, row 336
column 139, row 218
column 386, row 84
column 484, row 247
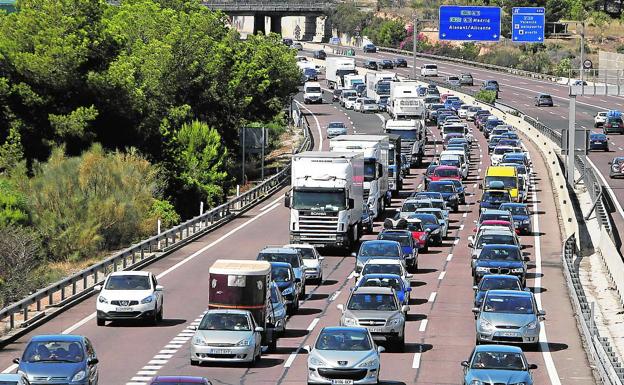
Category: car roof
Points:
column 495, row 231
column 281, row 264
column 498, row 348
column 58, row 337
column 495, row 211
column 176, row 379
column 500, row 276
column 497, row 246
column 373, row 290
column 228, row 311
column 383, row 261
column 380, row 275
column 378, row 241
column 495, row 221
column 279, row 250
column 131, row 272
column 514, row 293
column 330, row 329
column 299, row 246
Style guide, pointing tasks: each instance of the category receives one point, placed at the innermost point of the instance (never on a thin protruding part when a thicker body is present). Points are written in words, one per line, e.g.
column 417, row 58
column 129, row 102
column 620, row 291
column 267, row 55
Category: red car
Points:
column 500, row 223
column 445, row 172
column 420, row 235
column 179, row 380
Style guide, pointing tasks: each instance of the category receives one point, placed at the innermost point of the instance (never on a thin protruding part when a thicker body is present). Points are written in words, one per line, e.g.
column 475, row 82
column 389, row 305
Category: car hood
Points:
column 284, row 285
column 498, row 376
column 507, row 319
column 494, row 263
column 48, row 369
column 431, row 226
column 368, row 314
column 353, row 358
column 223, row 336
column 137, row 295
column 311, row 263
column 520, row 217
column 407, row 249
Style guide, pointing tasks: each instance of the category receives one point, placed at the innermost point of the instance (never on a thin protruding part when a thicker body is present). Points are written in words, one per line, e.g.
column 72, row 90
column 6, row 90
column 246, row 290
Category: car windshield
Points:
column 500, row 254
column 280, row 257
column 336, row 125
column 450, row 162
column 54, row 351
column 416, row 226
column 403, row 239
column 378, row 249
column 499, row 284
column 346, row 339
column 445, row 172
column 496, row 197
column 368, row 101
column 413, row 206
column 372, row 268
column 394, row 283
column 474, row 109
column 319, row 200
column 404, row 134
column 439, row 204
column 516, row 304
column 494, row 217
column 546, row 97
column 516, row 210
column 442, row 188
column 128, row 282
column 315, row 90
column 510, row 182
column 599, row 136
column 502, row 150
column 498, row 361
column 280, row 274
column 381, row 302
column 436, row 213
column 495, row 239
column 428, row 219
column 225, row 321
column 428, row 195
column 307, row 253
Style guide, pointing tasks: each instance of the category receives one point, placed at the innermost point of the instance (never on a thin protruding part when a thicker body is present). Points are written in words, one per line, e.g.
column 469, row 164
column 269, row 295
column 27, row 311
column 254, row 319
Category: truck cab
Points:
column 413, row 138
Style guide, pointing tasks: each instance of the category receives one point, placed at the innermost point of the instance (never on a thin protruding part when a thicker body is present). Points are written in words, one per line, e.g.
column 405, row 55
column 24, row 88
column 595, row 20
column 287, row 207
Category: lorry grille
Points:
column 317, row 229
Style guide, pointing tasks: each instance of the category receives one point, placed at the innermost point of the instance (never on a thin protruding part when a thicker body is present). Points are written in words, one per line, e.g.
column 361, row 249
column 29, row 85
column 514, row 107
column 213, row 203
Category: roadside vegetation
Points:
column 112, row 117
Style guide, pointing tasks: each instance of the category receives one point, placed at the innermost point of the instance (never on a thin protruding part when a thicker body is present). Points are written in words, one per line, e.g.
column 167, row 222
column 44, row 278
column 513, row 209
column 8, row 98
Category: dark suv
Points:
column 288, row 255
column 371, row 64
column 369, row 48
column 613, row 124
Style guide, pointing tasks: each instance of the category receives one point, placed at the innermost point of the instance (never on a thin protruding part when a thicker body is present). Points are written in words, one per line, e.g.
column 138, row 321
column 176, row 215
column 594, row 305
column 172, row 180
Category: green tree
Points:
column 13, row 206
column 346, row 17
column 386, row 33
column 563, row 67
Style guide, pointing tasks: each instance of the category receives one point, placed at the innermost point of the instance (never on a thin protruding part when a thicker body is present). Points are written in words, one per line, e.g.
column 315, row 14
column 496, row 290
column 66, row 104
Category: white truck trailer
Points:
column 352, row 80
column 335, row 70
column 378, row 84
column 404, row 102
column 326, row 198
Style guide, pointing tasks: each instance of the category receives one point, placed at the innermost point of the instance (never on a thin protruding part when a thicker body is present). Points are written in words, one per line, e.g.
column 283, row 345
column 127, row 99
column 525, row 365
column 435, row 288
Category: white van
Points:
column 429, row 70
column 457, row 128
column 312, row 93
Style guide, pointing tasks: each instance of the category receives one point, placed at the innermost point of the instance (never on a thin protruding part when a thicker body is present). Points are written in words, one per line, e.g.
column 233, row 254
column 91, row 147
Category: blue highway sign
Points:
column 527, row 24
column 470, row 23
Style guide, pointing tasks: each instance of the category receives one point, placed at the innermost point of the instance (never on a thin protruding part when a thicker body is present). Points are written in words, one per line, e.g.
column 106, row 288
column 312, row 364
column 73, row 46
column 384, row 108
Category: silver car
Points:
column 491, row 236
column 226, row 336
column 508, row 316
column 336, row 129
column 344, row 355
column 379, row 310
column 312, row 261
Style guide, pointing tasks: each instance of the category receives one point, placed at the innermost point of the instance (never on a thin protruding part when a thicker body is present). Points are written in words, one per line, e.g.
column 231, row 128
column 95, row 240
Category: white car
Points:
column 498, row 153
column 463, row 111
column 385, row 266
column 129, row 295
column 349, row 104
column 600, row 118
column 429, row 70
column 357, row 106
column 472, row 111
column 312, row 260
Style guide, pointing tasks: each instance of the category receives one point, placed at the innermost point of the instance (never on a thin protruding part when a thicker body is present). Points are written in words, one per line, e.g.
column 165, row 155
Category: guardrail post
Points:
column 74, row 288
column 25, row 313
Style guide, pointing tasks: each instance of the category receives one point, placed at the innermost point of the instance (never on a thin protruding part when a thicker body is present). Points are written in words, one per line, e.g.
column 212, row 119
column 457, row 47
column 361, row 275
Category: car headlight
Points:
column 147, row 299
column 485, row 325
column 482, row 269
column 476, row 382
column 79, row 376
column 349, row 321
column 517, row 270
column 369, row 364
column 245, row 342
column 532, row 325
column 288, row 290
column 316, row 362
column 395, row 321
column 526, row 222
column 101, row 299
column 199, row 341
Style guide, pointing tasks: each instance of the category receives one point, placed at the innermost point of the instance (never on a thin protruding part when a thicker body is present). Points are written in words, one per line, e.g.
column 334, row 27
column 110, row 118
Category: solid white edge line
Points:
column 416, row 361
column 318, row 125
column 291, row 358
column 313, row 324
column 423, row 325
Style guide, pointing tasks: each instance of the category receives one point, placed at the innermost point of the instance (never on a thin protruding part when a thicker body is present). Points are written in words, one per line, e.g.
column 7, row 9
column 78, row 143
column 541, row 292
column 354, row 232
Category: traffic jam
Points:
column 388, row 201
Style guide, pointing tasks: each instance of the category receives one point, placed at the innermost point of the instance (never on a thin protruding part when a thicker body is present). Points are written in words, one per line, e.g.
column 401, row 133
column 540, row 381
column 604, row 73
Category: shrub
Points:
column 486, row 96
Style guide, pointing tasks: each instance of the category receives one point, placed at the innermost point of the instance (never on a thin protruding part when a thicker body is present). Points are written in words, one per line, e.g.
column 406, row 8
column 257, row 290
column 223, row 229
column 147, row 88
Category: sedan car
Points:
column 544, row 100
column 491, row 236
column 179, row 380
column 64, row 358
column 495, row 282
column 336, row 129
column 616, row 167
column 366, row 105
column 344, row 355
column 410, row 249
column 466, row 79
column 129, row 295
column 492, row 199
column 500, row 259
column 369, row 48
column 400, row 63
column 521, row 216
column 371, row 64
column 497, row 364
column 226, row 335
column 377, row 249
column 613, row 123
column 387, row 280
column 598, row 141
column 386, row 64
column 312, row 261
column 320, row 54
column 283, row 276
column 509, row 316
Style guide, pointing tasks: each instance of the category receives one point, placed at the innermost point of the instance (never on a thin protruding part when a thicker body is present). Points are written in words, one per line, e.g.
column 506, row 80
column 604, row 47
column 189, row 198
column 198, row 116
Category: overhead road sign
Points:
column 528, row 24
column 470, row 23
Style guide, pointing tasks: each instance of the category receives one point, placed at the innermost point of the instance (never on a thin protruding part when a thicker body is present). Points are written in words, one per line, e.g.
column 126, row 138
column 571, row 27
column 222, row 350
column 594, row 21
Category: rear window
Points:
column 431, row 67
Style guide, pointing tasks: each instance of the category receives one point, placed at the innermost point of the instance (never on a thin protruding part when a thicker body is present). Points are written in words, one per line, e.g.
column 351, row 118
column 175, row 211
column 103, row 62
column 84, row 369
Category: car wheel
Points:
column 400, row 343
column 159, row 316
column 154, row 319
column 100, row 321
column 303, row 291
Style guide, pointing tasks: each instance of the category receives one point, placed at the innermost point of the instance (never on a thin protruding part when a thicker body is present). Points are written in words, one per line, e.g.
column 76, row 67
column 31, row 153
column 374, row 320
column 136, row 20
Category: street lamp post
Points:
column 414, row 41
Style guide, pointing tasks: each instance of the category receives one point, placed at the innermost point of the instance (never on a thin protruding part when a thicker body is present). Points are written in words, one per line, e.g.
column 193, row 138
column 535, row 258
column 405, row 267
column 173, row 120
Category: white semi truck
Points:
column 326, row 198
column 335, row 70
column 404, row 102
column 413, row 138
column 378, row 84
column 374, row 148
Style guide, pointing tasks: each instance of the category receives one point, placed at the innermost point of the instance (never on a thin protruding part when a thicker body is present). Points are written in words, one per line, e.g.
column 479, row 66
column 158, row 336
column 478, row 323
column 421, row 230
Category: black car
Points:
column 287, row 41
column 492, row 199
column 613, row 123
column 598, row 141
column 369, row 48
column 371, row 64
column 383, row 103
column 400, row 63
column 336, row 95
column 320, row 54
column 543, row 100
column 367, row 219
column 448, row 190
column 386, row 64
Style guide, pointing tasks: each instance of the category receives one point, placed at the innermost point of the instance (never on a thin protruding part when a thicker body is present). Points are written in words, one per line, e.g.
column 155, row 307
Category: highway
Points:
column 440, row 329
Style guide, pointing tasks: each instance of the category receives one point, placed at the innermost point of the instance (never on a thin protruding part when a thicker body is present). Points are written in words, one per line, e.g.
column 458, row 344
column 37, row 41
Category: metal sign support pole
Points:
column 263, row 139
column 571, row 139
column 414, row 38
column 243, row 146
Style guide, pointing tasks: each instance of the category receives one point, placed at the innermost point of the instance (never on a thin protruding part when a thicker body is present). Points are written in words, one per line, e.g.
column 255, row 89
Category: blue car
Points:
column 520, row 214
column 510, row 135
column 500, row 259
column 495, row 282
column 68, row 357
column 497, row 364
column 387, row 280
column 448, row 190
column 404, row 237
column 456, row 104
column 598, row 141
column 489, row 126
column 284, row 277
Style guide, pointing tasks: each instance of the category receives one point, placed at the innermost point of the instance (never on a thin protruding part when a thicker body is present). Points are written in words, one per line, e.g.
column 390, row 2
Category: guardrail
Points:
column 47, row 302
column 607, row 365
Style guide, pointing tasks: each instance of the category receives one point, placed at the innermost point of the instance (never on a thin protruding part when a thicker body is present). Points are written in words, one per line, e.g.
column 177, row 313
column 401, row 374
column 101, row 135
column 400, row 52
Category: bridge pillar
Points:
column 276, row 24
column 327, row 29
column 309, row 29
column 259, row 24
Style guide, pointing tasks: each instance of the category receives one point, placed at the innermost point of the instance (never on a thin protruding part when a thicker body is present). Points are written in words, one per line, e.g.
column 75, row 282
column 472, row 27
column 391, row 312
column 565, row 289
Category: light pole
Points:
column 357, row 35
column 582, row 33
column 416, row 20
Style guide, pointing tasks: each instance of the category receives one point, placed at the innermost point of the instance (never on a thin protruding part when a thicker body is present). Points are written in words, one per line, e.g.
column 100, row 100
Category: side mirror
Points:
column 351, row 203
column 307, row 348
column 481, row 186
column 526, row 258
column 97, row 288
column 381, row 349
column 398, row 209
column 405, row 308
column 93, row 361
column 259, row 329
column 287, row 201
column 610, row 161
column 159, row 288
column 408, row 276
column 532, row 366
column 353, row 254
column 356, row 275
column 321, row 258
column 475, row 221
column 16, row 361
column 340, row 307
column 470, row 244
column 474, row 256
column 542, row 315
column 475, row 288
column 476, row 310
column 409, row 289
column 192, row 327
column 464, row 364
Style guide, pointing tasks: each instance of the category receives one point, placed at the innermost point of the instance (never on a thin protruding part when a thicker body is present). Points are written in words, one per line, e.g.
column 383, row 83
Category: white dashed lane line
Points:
column 423, row 325
column 313, row 324
column 432, row 297
column 442, row 274
column 334, row 296
column 450, row 256
column 416, row 361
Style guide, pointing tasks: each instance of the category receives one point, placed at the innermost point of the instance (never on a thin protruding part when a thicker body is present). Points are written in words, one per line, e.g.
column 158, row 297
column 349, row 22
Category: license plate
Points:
column 341, row 382
column 509, row 334
column 376, row 330
column 220, row 351
column 124, row 308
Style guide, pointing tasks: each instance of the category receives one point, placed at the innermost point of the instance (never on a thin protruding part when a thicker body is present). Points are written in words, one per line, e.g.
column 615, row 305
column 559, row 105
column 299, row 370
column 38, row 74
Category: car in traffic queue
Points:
column 405, row 238
column 448, row 189
column 509, row 316
column 393, row 281
column 490, row 124
column 288, row 255
column 616, row 167
column 428, row 172
column 463, row 110
column 492, row 224
column 428, row 70
column 335, row 129
column 371, row 64
column 491, row 236
column 498, row 152
column 613, row 123
column 440, row 204
column 310, row 74
column 284, row 277
column 336, row 94
column 226, row 335
column 379, row 310
column 360, row 89
column 419, row 233
column 441, row 218
column 345, row 94
column 312, row 261
column 544, row 100
column 453, row 80
column 446, row 172
column 129, row 295
column 497, row 364
column 600, row 118
column 367, row 219
column 472, row 112
column 431, row 226
column 598, row 141
column 344, row 355
column 386, row 64
column 179, row 380
column 400, row 62
column 320, row 54
column 410, row 205
column 369, row 48
column 521, row 216
column 500, row 259
column 518, row 158
column 366, row 105
column 466, row 79
column 383, row 103
column 495, row 282
column 279, row 309
column 349, row 102
column 376, row 249
column 385, row 266
column 494, row 197
column 459, row 190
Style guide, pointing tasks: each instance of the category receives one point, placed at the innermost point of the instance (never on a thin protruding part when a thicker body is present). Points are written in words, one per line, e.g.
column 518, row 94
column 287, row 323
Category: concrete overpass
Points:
column 262, row 10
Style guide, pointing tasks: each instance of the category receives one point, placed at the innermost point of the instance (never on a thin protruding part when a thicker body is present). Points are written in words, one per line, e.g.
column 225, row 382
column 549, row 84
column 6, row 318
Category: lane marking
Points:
column 334, row 296
column 291, row 358
column 450, row 256
column 313, row 324
column 465, row 215
column 272, row 203
column 432, row 296
column 423, row 325
column 461, row 227
column 318, row 125
column 416, row 361
column 442, row 274
column 456, row 241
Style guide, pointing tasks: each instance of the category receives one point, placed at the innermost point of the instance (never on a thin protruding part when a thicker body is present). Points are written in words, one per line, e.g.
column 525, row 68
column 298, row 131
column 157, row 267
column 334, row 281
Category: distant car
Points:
column 371, row 64
column 544, row 100
column 386, row 64
column 349, row 103
column 287, row 41
column 361, row 90
column 448, row 190
column 466, row 79
column 367, row 105
column 579, row 83
column 616, row 167
column 383, row 106
column 497, row 364
column 310, row 74
column 367, row 219
column 312, row 261
column 613, row 123
column 320, row 54
column 67, row 356
column 376, row 249
column 598, row 141
column 429, row 70
column 288, row 255
column 410, row 249
column 369, row 48
column 453, row 80
column 296, row 45
column 500, row 259
column 490, row 85
column 400, row 63
column 336, row 129
column 179, row 380
column 492, row 199
column 600, row 118
column 495, row 282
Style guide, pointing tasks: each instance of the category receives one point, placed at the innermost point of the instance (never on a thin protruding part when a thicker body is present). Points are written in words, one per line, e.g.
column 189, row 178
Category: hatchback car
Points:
column 544, row 100
column 613, row 123
column 399, row 62
column 490, row 85
column 432, row 227
column 497, row 364
column 377, row 249
column 283, row 276
column 179, row 380
column 598, row 141
column 367, row 105
column 410, row 249
column 429, row 70
column 600, row 118
column 320, row 54
column 492, row 199
column 385, row 266
column 453, row 81
column 509, row 316
column 288, row 255
column 60, row 358
column 491, row 236
column 349, row 103
column 500, row 259
column 495, row 282
column 466, row 79
column 616, row 167
column 312, row 261
column 336, row 129
column 521, row 216
column 371, row 64
column 344, row 355
column 369, row 48
column 386, row 64
column 129, row 295
column 448, row 190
